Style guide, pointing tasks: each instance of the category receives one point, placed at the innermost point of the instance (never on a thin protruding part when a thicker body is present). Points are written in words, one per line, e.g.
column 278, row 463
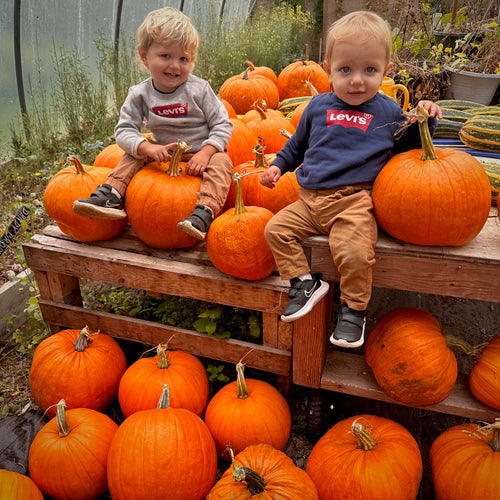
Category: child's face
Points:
column 356, row 69
column 168, row 64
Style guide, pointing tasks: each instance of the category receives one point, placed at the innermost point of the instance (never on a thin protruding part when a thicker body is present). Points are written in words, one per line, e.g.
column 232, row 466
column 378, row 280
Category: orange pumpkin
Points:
column 366, row 456
column 162, row 453
column 465, row 462
column 68, row 456
column 255, row 113
column 254, row 193
column 235, row 241
column 70, row 184
column 230, row 110
column 16, row 486
column 292, row 81
column 141, row 384
column 410, row 358
column 432, row 196
column 263, row 71
column 261, row 471
column 246, row 412
column 158, row 197
column 82, row 367
column 242, row 142
column 484, row 376
column 109, row 156
column 241, row 91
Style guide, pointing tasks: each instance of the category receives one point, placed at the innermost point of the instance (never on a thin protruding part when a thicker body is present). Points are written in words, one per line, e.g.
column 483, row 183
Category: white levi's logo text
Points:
column 172, row 110
column 348, row 119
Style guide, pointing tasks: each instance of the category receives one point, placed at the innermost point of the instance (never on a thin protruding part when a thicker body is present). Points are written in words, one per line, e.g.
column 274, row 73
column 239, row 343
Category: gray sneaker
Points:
column 350, row 329
column 102, row 204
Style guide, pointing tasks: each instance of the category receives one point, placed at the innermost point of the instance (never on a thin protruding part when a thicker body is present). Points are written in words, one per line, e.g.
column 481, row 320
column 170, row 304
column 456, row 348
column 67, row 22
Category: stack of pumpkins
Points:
column 171, row 435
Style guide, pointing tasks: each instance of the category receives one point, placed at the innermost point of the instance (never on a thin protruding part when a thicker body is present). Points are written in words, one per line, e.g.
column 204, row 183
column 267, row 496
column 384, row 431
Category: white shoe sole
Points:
column 186, row 227
column 94, row 211
column 315, row 298
column 351, row 345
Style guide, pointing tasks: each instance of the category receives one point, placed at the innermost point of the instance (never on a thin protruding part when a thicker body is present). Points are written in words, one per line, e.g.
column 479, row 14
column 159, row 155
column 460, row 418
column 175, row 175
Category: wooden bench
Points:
column 297, row 352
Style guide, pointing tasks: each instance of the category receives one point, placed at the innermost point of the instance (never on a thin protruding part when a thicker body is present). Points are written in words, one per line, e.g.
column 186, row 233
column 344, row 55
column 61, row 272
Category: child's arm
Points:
column 159, row 153
column 270, row 176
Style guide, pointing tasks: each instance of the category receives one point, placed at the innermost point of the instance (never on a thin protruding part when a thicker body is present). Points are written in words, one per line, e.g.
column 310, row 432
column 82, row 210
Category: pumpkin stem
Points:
column 239, row 206
column 250, row 64
column 255, row 482
column 311, row 87
column 260, row 157
column 285, row 132
column 495, row 442
column 453, row 340
column 240, row 381
column 78, row 165
column 428, row 150
column 83, row 340
column 261, row 110
column 363, row 437
column 163, row 361
column 174, row 167
column 245, row 73
column 62, row 424
column 164, row 401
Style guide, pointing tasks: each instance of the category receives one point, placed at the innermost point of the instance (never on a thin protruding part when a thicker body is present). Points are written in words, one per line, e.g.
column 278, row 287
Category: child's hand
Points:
column 198, row 163
column 270, row 176
column 159, row 153
column 431, row 107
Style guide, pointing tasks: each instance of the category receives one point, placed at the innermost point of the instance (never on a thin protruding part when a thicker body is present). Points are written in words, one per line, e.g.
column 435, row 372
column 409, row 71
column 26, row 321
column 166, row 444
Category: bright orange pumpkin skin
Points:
column 283, row 479
column 155, row 202
column 162, row 453
column 109, row 156
column 263, row 71
column 69, row 185
column 86, row 379
column 464, row 466
column 340, row 468
column 263, row 417
column 242, row 142
column 432, row 202
column 141, row 384
column 409, row 357
column 484, row 377
column 73, row 467
column 15, row 486
column 292, row 79
column 269, row 129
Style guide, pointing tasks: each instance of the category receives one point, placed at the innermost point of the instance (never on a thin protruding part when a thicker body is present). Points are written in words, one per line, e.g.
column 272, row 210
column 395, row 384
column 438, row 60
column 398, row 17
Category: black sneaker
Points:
column 350, row 329
column 198, row 222
column 304, row 295
column 102, row 204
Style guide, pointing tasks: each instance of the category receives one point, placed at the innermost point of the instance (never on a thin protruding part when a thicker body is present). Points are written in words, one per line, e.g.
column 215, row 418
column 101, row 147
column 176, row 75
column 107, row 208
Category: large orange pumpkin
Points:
column 16, row 486
column 254, row 193
column 368, row 457
column 242, row 142
column 162, row 453
column 263, row 71
column 82, row 367
column 245, row 412
column 141, row 384
column 432, row 196
column 235, row 241
column 109, row 156
column 465, row 462
column 484, row 377
column 292, row 81
column 158, row 197
column 67, row 186
column 261, row 471
column 68, row 457
column 410, row 358
column 241, row 91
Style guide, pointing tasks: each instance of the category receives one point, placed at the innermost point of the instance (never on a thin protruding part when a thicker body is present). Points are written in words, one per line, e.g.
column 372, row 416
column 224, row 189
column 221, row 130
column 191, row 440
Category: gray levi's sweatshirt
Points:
column 192, row 113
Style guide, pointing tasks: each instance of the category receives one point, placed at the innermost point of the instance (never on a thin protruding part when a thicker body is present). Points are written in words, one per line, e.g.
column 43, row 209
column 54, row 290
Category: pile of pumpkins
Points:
column 173, row 435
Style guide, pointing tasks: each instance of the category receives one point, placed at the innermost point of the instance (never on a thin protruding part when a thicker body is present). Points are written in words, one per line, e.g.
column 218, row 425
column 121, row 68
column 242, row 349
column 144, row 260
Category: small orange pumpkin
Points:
column 109, row 156
column 69, row 184
column 484, row 377
column 16, row 486
column 255, row 114
column 263, row 71
column 292, row 81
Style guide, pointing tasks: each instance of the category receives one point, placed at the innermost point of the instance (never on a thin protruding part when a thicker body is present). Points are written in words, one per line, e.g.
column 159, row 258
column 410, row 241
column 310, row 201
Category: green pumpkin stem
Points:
column 363, row 437
column 78, row 165
column 174, row 166
column 62, row 424
column 83, row 340
column 163, row 361
column 454, row 341
column 240, row 381
column 239, row 206
column 164, row 401
column 255, row 482
column 428, row 150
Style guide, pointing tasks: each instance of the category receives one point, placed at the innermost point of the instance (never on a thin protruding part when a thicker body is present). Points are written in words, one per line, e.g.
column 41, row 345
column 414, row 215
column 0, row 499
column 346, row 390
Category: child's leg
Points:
column 214, row 187
column 107, row 201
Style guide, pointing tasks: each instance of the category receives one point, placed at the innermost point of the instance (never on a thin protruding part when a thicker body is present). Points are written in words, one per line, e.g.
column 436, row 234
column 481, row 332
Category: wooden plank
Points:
column 256, row 356
column 350, row 374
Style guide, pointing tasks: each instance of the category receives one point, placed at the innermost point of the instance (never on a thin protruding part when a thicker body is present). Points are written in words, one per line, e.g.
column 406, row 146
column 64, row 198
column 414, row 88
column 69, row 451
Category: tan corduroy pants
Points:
column 345, row 214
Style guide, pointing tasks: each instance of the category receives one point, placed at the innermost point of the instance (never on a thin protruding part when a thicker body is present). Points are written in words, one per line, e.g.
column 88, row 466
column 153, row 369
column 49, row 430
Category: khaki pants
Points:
column 345, row 214
column 215, row 184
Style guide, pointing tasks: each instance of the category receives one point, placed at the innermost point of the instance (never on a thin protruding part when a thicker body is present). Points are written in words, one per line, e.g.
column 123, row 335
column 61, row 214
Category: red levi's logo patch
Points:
column 172, row 110
column 348, row 118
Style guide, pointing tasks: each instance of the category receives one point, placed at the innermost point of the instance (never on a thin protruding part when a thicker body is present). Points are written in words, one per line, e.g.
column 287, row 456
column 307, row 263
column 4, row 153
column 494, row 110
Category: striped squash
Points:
column 493, row 171
column 487, row 110
column 286, row 106
column 459, row 104
column 482, row 132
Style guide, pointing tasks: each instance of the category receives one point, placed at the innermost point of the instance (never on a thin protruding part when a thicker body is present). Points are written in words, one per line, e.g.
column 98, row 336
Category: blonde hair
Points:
column 356, row 25
column 169, row 25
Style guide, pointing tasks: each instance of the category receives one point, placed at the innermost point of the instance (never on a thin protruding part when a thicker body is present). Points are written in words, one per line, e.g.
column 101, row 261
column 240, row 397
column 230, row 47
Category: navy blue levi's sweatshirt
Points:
column 336, row 144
